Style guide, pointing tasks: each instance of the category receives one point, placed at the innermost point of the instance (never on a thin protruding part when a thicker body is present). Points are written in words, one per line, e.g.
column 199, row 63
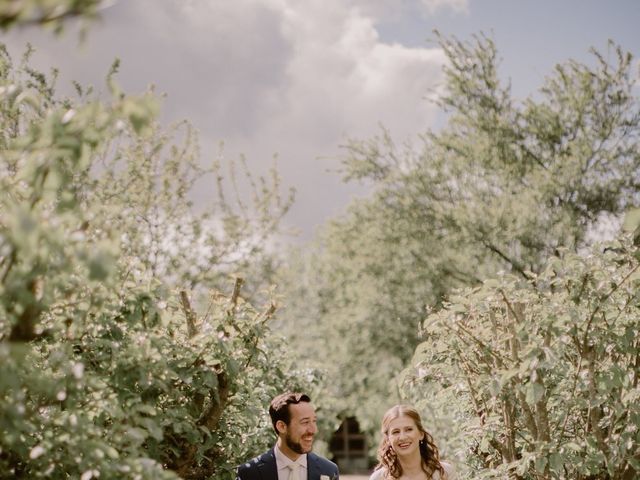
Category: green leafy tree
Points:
column 539, row 379
column 502, row 186
column 119, row 358
column 51, row 13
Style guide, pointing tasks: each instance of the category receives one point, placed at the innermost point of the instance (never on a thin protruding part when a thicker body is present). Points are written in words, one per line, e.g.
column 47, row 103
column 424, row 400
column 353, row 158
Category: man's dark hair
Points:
column 279, row 407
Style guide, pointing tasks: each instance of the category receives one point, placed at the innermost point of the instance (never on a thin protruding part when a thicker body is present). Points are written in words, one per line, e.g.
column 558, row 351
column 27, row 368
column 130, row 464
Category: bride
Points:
column 407, row 451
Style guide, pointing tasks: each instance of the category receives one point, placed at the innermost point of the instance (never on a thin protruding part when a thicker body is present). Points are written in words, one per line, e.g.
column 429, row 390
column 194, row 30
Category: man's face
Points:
column 298, row 435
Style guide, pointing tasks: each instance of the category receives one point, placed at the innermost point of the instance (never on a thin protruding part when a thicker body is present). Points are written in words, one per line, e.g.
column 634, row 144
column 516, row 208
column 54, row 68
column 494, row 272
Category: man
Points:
column 294, row 421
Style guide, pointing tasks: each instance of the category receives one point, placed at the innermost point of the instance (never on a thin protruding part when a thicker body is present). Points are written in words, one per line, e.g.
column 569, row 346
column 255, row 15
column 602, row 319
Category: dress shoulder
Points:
column 449, row 472
column 377, row 475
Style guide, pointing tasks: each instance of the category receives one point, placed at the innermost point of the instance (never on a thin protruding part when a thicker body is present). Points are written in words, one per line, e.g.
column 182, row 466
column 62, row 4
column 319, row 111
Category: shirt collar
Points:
column 282, row 461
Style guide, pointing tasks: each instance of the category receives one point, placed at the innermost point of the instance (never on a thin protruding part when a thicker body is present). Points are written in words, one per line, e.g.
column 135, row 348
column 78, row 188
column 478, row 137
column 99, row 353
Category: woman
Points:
column 407, row 451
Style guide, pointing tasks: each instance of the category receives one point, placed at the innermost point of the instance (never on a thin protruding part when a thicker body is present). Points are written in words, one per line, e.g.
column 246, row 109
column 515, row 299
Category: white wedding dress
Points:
column 450, row 473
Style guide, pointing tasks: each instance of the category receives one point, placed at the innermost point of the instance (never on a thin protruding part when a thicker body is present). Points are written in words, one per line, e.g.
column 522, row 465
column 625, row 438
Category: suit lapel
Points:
column 313, row 469
column 267, row 466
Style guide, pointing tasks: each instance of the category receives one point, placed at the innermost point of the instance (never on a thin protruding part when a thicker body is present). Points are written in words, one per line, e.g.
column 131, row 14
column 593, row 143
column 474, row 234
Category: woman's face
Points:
column 404, row 437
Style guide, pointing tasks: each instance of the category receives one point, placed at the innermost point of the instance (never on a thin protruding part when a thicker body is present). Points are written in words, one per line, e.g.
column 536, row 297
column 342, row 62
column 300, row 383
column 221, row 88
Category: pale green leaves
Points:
column 100, row 376
column 547, row 368
column 45, row 12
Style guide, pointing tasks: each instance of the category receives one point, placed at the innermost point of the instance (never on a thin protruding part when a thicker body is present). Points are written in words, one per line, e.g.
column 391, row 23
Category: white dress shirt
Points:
column 283, row 462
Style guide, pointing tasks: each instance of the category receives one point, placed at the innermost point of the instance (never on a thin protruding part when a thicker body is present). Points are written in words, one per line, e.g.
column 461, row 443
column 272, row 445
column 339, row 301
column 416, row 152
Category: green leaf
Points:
column 631, row 220
column 572, row 446
column 534, row 392
column 138, row 435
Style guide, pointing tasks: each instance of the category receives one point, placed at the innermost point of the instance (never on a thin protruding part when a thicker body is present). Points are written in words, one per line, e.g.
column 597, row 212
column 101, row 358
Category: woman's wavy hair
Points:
column 387, row 457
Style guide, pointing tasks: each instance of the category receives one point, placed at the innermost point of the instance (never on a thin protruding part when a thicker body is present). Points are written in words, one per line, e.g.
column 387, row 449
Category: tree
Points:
column 46, row 12
column 108, row 365
column 539, row 379
column 503, row 186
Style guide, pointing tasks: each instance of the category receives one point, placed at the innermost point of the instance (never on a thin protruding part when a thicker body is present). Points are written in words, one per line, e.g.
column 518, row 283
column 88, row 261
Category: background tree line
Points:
column 505, row 202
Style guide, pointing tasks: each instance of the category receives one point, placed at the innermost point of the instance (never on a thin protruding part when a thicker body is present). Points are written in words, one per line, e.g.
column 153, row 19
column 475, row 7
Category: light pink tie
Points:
column 293, row 471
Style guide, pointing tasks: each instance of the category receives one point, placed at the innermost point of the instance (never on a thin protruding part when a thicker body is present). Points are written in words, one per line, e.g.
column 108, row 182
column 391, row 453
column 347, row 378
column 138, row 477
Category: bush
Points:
column 107, row 370
column 539, row 379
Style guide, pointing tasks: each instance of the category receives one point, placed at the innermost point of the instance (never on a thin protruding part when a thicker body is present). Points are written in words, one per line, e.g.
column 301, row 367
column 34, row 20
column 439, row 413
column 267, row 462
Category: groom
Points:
column 294, row 420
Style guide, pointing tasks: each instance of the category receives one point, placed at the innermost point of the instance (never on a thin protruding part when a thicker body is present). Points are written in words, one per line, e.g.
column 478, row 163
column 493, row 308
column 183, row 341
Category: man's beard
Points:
column 295, row 446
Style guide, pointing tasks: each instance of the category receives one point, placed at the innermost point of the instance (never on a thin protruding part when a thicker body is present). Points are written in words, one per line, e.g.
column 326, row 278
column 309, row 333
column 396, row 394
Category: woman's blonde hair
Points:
column 387, row 457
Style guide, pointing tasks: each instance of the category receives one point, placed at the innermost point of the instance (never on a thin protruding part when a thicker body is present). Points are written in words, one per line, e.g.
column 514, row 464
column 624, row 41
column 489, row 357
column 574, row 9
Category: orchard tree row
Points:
column 475, row 269
column 128, row 345
column 128, row 348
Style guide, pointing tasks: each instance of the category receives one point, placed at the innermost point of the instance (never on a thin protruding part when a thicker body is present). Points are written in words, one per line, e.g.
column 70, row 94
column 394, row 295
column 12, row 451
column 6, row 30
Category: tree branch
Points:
column 516, row 265
column 189, row 315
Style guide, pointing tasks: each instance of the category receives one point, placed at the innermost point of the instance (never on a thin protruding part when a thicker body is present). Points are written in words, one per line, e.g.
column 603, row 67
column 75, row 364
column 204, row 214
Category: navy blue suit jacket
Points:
column 264, row 467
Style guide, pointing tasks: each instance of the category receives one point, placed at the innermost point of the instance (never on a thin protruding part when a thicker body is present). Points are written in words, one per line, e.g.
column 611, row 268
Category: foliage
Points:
column 509, row 183
column 45, row 12
column 540, row 379
column 106, row 368
column 504, row 185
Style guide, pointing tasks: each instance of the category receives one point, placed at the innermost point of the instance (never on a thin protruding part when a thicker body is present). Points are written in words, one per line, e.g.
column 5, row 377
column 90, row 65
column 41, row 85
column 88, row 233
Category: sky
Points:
column 293, row 80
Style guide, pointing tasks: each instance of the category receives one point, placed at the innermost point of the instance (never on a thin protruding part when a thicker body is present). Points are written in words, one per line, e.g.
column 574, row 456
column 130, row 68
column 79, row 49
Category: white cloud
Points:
column 458, row 6
column 288, row 76
column 342, row 80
